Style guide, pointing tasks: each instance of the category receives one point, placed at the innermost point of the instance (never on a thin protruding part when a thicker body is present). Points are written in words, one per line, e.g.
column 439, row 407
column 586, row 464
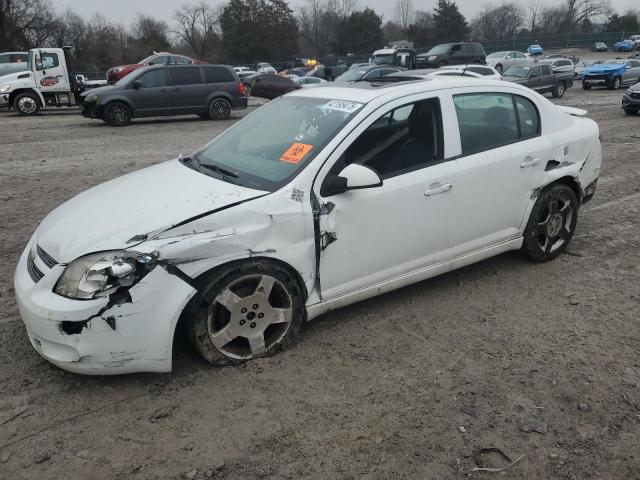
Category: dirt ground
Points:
column 538, row 359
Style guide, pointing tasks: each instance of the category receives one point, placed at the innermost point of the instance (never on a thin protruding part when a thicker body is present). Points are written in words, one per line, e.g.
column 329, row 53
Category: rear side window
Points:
column 18, row 57
column 185, row 75
column 491, row 120
column 218, row 74
column 180, row 60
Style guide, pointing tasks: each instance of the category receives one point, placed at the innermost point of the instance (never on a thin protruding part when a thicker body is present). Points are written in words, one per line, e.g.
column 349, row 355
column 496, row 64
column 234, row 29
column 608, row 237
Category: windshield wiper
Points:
column 222, row 171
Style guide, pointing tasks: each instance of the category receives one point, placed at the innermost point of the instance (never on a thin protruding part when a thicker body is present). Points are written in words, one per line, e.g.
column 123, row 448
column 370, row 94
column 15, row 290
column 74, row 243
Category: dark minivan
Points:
column 453, row 54
column 210, row 91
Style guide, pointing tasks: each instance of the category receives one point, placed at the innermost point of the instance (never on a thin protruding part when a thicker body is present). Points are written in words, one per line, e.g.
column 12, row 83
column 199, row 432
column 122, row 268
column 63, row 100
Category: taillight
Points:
column 241, row 90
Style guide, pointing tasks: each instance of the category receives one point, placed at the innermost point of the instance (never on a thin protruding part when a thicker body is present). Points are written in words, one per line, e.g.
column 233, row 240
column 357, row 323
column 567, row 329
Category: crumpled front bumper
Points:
column 4, row 100
column 132, row 337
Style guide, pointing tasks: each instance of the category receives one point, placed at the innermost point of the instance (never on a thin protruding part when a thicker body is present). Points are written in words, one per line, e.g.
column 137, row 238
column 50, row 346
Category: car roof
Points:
column 365, row 92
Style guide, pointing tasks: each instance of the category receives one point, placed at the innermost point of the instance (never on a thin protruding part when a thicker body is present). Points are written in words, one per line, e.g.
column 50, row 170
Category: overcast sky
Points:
column 126, row 10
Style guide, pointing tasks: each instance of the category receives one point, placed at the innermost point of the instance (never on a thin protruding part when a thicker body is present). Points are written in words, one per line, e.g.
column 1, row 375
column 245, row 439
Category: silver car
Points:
column 502, row 61
column 559, row 65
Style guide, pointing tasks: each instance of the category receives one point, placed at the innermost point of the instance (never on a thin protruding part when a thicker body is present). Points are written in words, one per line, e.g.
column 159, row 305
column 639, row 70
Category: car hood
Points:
column 10, row 77
column 130, row 209
column 99, row 90
column 635, row 88
column 604, row 68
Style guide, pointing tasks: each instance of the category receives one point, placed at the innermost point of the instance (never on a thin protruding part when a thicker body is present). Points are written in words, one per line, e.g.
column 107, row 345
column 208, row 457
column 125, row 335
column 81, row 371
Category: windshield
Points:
column 148, row 59
column 258, row 152
column 520, row 72
column 383, row 59
column 439, row 49
column 352, row 75
column 497, row 55
column 130, row 76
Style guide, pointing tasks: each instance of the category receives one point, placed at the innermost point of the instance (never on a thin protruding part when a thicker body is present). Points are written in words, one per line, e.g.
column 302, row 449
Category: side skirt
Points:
column 415, row 276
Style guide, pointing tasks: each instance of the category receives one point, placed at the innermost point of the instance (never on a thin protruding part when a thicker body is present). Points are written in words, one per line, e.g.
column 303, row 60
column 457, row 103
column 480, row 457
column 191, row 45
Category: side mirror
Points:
column 353, row 177
column 137, row 84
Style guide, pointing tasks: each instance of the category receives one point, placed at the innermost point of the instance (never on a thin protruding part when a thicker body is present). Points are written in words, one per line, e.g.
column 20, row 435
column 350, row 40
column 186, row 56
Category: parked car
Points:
column 624, row 46
column 635, row 39
column 269, row 85
column 541, row 79
column 368, row 72
column 573, row 58
column 405, row 57
column 453, row 54
column 265, row 68
column 535, row 49
column 240, row 69
column 309, row 81
column 631, row 100
column 162, row 58
column 210, row 91
column 501, row 61
column 327, row 73
column 612, row 74
column 470, row 70
column 599, row 47
column 582, row 66
column 359, row 65
column 270, row 224
column 559, row 65
column 12, row 62
column 246, row 74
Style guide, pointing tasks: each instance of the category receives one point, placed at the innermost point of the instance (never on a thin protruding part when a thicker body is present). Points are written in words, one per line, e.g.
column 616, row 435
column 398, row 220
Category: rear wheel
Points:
column 117, row 114
column 26, row 104
column 558, row 90
column 551, row 224
column 219, row 109
column 246, row 311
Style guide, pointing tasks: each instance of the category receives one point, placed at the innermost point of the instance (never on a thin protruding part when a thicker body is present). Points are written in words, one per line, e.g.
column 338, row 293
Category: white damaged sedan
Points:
column 319, row 199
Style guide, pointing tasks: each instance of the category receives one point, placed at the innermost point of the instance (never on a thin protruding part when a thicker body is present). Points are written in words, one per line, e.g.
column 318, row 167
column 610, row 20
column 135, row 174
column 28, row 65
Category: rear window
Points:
column 185, row 75
column 218, row 74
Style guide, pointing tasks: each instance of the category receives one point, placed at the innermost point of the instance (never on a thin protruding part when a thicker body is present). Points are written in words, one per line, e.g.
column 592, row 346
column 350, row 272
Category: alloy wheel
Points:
column 27, row 105
column 554, row 230
column 118, row 114
column 250, row 316
column 220, row 109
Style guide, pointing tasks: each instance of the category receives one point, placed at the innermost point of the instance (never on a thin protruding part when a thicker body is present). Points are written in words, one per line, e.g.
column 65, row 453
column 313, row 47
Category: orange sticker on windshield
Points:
column 296, row 153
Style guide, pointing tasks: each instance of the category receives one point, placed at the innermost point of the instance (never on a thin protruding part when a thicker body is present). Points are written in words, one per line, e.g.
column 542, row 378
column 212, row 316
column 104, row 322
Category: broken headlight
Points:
column 100, row 274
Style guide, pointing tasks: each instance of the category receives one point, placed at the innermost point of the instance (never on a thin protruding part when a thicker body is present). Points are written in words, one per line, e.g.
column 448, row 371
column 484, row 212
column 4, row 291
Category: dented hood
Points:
column 124, row 211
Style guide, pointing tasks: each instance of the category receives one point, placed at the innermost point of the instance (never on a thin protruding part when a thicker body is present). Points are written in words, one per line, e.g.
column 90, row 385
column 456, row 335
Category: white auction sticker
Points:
column 342, row 106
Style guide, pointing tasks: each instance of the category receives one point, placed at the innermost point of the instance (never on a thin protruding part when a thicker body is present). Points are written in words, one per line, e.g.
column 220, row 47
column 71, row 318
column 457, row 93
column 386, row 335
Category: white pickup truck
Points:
column 46, row 83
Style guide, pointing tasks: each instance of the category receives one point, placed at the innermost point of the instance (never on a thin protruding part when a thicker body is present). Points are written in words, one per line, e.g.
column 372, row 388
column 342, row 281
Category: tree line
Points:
column 247, row 31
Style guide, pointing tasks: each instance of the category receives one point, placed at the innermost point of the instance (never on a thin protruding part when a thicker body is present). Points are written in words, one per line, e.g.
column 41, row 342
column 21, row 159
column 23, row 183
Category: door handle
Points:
column 530, row 162
column 437, row 188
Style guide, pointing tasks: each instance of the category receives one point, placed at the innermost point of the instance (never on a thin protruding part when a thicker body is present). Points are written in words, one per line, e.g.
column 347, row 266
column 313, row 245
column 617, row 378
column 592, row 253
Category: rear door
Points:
column 188, row 90
column 503, row 156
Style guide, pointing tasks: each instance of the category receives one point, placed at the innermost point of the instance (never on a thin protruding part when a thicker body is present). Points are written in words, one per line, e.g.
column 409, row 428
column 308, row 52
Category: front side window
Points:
column 185, row 75
column 48, row 60
column 180, row 60
column 492, row 120
column 402, row 140
column 266, row 149
column 545, row 69
column 153, row 78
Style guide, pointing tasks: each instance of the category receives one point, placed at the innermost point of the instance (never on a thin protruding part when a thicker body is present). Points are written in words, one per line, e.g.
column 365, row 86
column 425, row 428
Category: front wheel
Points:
column 551, row 224
column 558, row 90
column 117, row 114
column 615, row 83
column 246, row 311
column 586, row 86
column 26, row 104
column 219, row 109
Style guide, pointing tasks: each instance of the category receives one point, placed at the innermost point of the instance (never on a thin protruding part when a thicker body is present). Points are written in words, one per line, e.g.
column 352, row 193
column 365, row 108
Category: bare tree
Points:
column 498, row 22
column 26, row 23
column 580, row 11
column 404, row 14
column 315, row 25
column 199, row 28
column 534, row 14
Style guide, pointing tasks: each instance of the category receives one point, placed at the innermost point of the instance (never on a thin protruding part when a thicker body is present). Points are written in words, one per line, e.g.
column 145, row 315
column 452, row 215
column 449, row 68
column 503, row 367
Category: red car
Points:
column 116, row 73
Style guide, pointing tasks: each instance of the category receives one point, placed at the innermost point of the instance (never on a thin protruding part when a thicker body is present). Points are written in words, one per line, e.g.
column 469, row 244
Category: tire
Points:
column 245, row 311
column 558, row 90
column 219, row 109
column 117, row 114
column 551, row 224
column 630, row 111
column 586, row 86
column 26, row 104
column 499, row 69
column 615, row 83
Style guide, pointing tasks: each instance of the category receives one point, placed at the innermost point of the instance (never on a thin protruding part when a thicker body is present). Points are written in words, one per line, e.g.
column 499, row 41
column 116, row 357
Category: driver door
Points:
column 51, row 74
column 373, row 235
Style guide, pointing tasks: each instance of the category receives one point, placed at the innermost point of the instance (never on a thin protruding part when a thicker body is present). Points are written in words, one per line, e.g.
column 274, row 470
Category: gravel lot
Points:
column 540, row 360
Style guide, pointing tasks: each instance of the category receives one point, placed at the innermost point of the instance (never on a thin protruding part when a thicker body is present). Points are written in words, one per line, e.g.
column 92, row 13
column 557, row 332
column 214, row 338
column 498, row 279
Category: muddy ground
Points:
column 540, row 360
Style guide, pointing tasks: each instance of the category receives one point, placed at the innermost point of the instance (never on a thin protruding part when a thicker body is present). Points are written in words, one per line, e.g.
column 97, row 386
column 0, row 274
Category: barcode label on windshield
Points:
column 342, row 106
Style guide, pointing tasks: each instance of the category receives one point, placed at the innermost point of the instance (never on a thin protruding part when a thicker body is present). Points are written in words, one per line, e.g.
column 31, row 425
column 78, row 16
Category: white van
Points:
column 635, row 39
